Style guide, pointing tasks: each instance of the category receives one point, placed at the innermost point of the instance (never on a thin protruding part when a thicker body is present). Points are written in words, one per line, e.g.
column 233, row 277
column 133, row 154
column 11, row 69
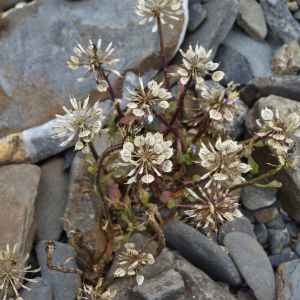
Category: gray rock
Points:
column 196, row 283
column 278, row 239
column 292, row 229
column 251, row 18
column 239, row 225
column 266, row 214
column 51, row 200
column 235, row 65
column 259, row 54
column 167, row 285
column 276, row 223
column 286, row 250
column 7, row 4
column 196, row 16
column 283, row 86
column 280, row 20
column 244, row 296
column 288, row 280
column 254, row 197
column 249, row 214
column 278, row 259
column 221, row 15
column 50, row 83
column 297, row 15
column 261, row 233
column 40, row 290
column 296, row 246
column 64, row 286
column 205, row 255
column 253, row 264
column 288, row 194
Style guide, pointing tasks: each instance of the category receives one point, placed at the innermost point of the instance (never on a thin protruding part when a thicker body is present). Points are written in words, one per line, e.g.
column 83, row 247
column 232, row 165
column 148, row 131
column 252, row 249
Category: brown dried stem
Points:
column 94, row 152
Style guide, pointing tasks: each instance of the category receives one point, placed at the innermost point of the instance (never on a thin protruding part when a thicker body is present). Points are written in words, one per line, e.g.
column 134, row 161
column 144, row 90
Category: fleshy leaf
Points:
column 144, row 196
column 171, row 204
column 253, row 165
column 259, row 144
column 274, row 183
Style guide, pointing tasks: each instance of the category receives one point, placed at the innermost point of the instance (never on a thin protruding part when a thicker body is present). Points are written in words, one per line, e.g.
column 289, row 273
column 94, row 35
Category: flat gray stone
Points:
column 196, row 16
column 278, row 239
column 276, row 223
column 292, row 229
column 40, row 290
column 278, row 259
column 261, row 233
column 253, row 264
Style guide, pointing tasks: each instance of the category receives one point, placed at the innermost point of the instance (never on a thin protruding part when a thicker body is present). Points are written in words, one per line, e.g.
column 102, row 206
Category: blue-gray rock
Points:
column 296, row 246
column 7, row 4
column 281, row 20
column 249, row 214
column 253, row 264
column 292, row 229
column 196, row 16
column 278, row 239
column 261, row 233
column 286, row 250
column 64, row 286
column 278, row 259
column 239, row 225
column 254, row 197
column 51, row 200
column 285, row 216
column 276, row 223
column 40, row 290
column 288, row 280
column 244, row 296
column 235, row 65
column 200, row 251
column 259, row 54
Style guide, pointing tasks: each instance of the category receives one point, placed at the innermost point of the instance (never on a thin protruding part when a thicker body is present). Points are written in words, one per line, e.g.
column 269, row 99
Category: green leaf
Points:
column 274, row 183
column 248, row 150
column 92, row 170
column 125, row 217
column 171, row 204
column 141, row 228
column 196, row 177
column 181, row 159
column 191, row 198
column 111, row 124
column 144, row 196
column 253, row 165
column 122, row 171
column 259, row 144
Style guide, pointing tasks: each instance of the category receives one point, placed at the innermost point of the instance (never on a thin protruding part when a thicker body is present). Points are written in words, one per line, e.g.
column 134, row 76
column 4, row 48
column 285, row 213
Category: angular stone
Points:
column 276, row 223
column 288, row 280
column 40, row 290
column 286, row 60
column 49, row 84
column 288, row 194
column 197, row 284
column 254, row 197
column 266, row 214
column 18, row 190
column 196, row 16
column 251, row 18
column 253, row 264
column 278, row 239
column 235, row 65
column 198, row 249
column 51, row 200
column 261, row 233
column 280, row 20
column 292, row 229
column 278, row 259
column 64, row 286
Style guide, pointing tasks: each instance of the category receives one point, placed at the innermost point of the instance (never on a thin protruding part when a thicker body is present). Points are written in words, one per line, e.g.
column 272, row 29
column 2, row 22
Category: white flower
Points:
column 267, row 114
column 218, row 76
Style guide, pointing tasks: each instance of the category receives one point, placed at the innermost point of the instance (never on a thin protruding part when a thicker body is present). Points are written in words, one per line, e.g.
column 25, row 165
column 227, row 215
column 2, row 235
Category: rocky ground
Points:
column 257, row 43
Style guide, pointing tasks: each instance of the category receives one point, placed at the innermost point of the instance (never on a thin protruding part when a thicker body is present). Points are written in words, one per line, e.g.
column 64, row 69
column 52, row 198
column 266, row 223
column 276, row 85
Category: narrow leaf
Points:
column 113, row 190
column 274, row 183
column 144, row 196
column 253, row 165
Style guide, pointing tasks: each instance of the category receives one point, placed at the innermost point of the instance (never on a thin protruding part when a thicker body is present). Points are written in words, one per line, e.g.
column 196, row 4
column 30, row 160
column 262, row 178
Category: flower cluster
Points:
column 158, row 10
column 196, row 65
column 93, row 60
column 217, row 208
column 144, row 101
column 10, row 271
column 223, row 161
column 146, row 154
column 83, row 120
column 275, row 129
column 134, row 263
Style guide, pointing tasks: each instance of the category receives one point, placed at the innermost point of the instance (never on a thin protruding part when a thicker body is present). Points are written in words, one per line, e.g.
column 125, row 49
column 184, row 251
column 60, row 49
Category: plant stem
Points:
column 94, row 152
column 200, row 132
column 187, row 185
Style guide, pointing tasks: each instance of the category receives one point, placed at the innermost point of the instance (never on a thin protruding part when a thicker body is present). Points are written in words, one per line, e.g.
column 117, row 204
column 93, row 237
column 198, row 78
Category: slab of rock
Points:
column 251, row 18
column 292, row 229
column 278, row 259
column 286, row 60
column 253, row 264
column 197, row 285
column 49, row 84
column 280, row 20
column 288, row 194
column 235, row 65
column 244, row 296
column 64, row 286
column 259, row 54
column 278, row 239
column 249, row 214
column 283, row 86
column 276, row 223
column 261, row 233
column 40, row 290
column 254, row 197
column 18, row 191
column 201, row 252
column 288, row 280
column 51, row 200
column 266, row 214
column 196, row 16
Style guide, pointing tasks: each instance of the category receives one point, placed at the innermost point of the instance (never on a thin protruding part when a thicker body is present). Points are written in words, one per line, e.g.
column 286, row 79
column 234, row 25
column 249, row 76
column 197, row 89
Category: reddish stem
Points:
column 187, row 185
column 200, row 132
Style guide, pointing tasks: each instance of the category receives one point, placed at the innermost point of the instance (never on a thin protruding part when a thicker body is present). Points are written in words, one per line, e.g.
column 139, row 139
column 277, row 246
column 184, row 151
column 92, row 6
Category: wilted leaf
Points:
column 4, row 255
column 114, row 192
column 166, row 196
column 274, row 183
column 111, row 159
column 253, row 165
column 144, row 196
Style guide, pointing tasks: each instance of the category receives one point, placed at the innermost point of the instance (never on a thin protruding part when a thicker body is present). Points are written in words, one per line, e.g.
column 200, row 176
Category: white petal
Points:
column 148, row 178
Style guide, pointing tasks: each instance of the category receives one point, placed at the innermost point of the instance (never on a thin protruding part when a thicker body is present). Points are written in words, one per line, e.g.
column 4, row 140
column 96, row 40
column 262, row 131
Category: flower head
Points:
column 217, row 208
column 133, row 262
column 93, row 59
column 275, row 129
column 150, row 153
column 142, row 102
column 157, row 10
column 12, row 272
column 84, row 120
column 223, row 161
column 196, row 65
